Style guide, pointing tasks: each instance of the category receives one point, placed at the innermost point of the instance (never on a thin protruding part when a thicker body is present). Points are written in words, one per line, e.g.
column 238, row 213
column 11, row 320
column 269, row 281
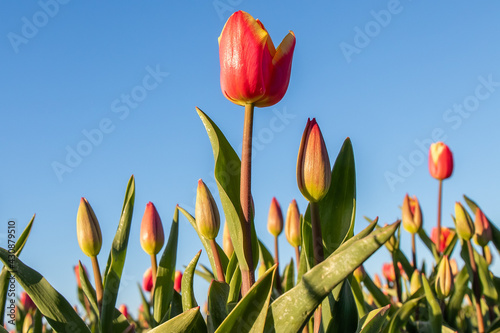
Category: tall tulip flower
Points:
column 252, row 73
column 252, row 70
column 440, row 167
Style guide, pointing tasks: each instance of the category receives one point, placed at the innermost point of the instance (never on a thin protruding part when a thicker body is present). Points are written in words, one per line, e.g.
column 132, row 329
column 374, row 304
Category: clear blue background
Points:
column 385, row 79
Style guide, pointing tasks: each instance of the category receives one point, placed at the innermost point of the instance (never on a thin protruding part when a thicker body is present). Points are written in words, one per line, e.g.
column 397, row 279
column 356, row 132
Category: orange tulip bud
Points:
column 152, row 237
column 227, row 243
column 292, row 225
column 463, row 222
column 147, row 280
column 388, row 272
column 440, row 161
column 124, row 310
column 412, row 216
column 88, row 230
column 206, row 212
column 275, row 218
column 178, row 281
column 446, row 237
column 313, row 164
column 483, row 233
column 359, row 274
column 376, row 281
column 252, row 70
column 444, row 279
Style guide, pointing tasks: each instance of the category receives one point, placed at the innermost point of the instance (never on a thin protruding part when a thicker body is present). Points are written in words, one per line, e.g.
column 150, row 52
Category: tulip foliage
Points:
column 325, row 289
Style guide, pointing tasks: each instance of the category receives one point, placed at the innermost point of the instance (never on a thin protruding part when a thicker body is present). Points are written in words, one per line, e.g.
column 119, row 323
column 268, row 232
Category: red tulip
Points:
column 177, row 281
column 446, row 237
column 26, row 301
column 388, row 272
column 124, row 310
column 440, row 161
column 147, row 280
column 252, row 70
column 152, row 237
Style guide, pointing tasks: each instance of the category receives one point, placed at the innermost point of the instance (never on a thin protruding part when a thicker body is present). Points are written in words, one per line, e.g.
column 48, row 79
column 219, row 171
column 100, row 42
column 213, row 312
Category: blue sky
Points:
column 391, row 75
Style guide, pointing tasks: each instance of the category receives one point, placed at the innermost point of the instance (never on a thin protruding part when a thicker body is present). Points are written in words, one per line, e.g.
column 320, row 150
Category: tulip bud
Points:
column 446, row 237
column 152, row 237
column 177, row 281
column 313, row 164
column 463, row 222
column 388, row 272
column 227, row 243
column 483, row 232
column 376, row 281
column 124, row 310
column 292, row 225
column 147, row 280
column 454, row 267
column 252, row 71
column 359, row 274
column 412, row 216
column 444, row 279
column 487, row 255
column 440, row 161
column 26, row 302
column 88, row 230
column 206, row 212
column 415, row 282
column 275, row 218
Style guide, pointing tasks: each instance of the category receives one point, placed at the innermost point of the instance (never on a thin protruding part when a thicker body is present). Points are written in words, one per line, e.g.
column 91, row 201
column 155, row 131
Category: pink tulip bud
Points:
column 388, row 272
column 152, row 237
column 440, row 161
column 275, row 218
column 177, row 281
column 483, row 233
column 26, row 302
column 124, row 310
column 147, row 280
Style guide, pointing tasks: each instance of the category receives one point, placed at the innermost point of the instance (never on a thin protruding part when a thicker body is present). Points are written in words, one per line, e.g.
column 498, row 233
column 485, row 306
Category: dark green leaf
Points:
column 217, row 299
column 374, row 321
column 234, row 290
column 289, row 276
column 457, row 297
column 435, row 315
column 231, row 268
column 357, row 292
column 343, row 311
column 189, row 321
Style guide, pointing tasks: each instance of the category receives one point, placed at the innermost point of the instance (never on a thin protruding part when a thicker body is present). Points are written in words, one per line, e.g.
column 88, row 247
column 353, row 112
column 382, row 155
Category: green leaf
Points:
column 289, row 276
column 146, row 307
column 3, row 330
column 343, row 311
column 435, row 315
column 87, row 288
column 5, row 275
column 206, row 244
column 227, row 176
column 249, row 315
column 494, row 230
column 428, row 243
column 56, row 309
column 290, row 311
column 176, row 305
column 404, row 312
column 337, row 209
column 164, row 285
column 234, row 290
column 188, row 300
column 374, row 321
column 116, row 259
column 217, row 299
column 231, row 268
column 37, row 322
column 265, row 256
column 357, row 292
column 205, row 273
column 379, row 297
column 306, row 251
column 457, row 297
column 188, row 322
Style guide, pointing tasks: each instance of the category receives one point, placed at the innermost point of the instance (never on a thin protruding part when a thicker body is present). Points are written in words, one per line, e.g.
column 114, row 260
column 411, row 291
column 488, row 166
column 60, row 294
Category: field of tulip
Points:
column 324, row 288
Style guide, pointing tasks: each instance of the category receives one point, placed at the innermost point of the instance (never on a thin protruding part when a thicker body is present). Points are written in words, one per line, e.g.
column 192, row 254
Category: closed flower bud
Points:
column 206, row 212
column 412, row 215
column 147, row 280
column 177, row 281
column 415, row 282
column 444, row 279
column 227, row 243
column 88, row 230
column 152, row 237
column 359, row 274
column 292, row 225
column 275, row 218
column 483, row 232
column 313, row 164
column 124, row 310
column 487, row 255
column 26, row 302
column 454, row 267
column 463, row 222
column 388, row 272
column 440, row 161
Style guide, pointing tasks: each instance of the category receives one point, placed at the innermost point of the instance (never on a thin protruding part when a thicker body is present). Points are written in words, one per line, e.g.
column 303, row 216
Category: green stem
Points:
column 97, row 280
column 248, row 276
column 218, row 264
column 475, row 289
column 154, row 271
column 277, row 262
column 439, row 217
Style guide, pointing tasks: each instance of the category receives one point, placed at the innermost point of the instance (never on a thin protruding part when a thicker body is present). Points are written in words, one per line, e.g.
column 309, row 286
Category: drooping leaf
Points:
column 374, row 321
column 164, row 286
column 428, row 243
column 227, row 176
column 188, row 300
column 217, row 300
column 249, row 315
column 56, row 309
column 291, row 310
column 189, row 321
column 116, row 259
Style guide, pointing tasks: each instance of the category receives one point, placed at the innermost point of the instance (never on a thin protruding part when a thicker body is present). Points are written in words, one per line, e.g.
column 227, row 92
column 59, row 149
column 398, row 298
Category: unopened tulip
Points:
column 88, row 230
column 26, row 302
column 454, row 267
column 147, row 280
column 463, row 222
column 483, row 233
column 177, row 281
column 446, row 237
column 227, row 243
column 359, row 274
column 415, row 282
column 412, row 215
column 487, row 255
column 313, row 164
column 292, row 224
column 124, row 310
column 206, row 212
column 252, row 70
column 388, row 272
column 275, row 218
column 444, row 279
column 152, row 237
column 440, row 161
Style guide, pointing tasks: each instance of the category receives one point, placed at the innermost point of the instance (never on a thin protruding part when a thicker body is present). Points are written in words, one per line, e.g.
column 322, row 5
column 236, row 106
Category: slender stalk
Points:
column 154, row 271
column 475, row 289
column 277, row 262
column 218, row 264
column 490, row 307
column 248, row 276
column 414, row 251
column 97, row 280
column 297, row 255
column 439, row 217
column 317, row 251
